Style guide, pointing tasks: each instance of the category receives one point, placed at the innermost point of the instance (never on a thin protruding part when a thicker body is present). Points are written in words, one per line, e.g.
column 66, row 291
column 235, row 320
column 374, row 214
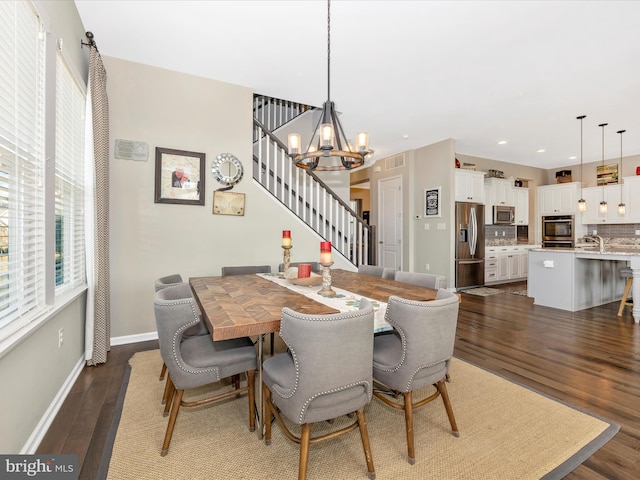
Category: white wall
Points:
column 149, row 240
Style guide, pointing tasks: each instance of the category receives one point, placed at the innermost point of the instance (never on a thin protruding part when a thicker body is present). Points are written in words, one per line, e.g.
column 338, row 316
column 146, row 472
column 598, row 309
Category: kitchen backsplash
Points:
column 623, row 230
column 500, row 235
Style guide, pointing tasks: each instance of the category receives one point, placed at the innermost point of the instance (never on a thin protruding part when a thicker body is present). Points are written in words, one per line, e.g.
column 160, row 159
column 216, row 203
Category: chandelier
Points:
column 331, row 142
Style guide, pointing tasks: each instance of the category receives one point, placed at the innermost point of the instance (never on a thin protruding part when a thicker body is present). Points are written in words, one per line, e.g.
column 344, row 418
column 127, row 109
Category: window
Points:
column 69, row 182
column 41, row 202
column 22, row 227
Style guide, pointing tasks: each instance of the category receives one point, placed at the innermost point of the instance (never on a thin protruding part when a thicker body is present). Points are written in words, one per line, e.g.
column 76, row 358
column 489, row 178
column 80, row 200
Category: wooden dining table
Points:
column 237, row 306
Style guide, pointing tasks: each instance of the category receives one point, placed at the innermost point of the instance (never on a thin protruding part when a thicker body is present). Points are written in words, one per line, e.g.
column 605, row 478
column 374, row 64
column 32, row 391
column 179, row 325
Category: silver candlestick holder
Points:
column 326, row 290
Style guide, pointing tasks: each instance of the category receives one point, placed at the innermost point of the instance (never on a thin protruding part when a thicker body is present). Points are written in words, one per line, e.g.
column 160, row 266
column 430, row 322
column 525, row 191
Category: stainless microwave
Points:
column 503, row 215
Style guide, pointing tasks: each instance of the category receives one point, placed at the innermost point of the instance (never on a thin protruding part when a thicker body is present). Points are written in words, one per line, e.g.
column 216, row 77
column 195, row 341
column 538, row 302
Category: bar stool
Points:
column 628, row 274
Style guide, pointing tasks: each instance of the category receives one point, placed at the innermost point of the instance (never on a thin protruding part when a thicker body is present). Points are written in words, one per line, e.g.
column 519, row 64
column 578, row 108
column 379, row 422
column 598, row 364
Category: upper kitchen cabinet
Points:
column 469, row 186
column 500, row 191
column 631, row 198
column 593, row 196
column 558, row 199
column 521, row 202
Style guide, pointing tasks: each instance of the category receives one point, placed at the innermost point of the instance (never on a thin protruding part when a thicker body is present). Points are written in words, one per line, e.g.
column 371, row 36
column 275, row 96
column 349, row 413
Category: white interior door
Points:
column 390, row 222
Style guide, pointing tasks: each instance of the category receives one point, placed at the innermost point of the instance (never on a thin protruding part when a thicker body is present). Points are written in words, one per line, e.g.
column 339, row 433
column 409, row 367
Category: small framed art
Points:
column 179, row 177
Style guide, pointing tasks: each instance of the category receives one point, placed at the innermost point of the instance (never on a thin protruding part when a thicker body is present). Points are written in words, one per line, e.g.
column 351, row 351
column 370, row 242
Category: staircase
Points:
column 301, row 191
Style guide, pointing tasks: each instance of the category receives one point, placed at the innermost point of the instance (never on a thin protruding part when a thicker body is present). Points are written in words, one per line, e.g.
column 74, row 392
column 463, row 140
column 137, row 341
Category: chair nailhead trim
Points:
column 177, row 336
column 334, row 390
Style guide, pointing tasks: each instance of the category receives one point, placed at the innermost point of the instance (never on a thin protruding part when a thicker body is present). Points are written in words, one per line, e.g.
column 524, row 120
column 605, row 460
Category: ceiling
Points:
column 412, row 73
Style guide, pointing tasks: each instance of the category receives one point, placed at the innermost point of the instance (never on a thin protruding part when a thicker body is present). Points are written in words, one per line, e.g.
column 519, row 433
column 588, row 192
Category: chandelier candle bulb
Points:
column 326, row 136
column 362, row 141
column 294, row 141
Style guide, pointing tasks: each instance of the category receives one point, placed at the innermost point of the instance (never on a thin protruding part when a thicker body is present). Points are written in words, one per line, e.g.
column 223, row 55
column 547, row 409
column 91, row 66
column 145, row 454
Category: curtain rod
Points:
column 90, row 43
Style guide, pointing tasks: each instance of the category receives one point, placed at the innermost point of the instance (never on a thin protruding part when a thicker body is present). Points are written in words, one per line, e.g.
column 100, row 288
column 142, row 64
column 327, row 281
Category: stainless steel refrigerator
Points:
column 469, row 245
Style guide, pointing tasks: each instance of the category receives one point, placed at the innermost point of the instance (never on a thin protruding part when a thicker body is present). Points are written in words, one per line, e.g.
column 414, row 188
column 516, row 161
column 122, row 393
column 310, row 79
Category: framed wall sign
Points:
column 228, row 203
column 432, row 202
column 179, row 177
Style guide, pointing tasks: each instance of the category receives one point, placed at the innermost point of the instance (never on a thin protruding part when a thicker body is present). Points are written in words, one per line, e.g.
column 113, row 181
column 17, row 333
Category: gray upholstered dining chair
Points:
column 199, row 329
column 416, row 354
column 315, row 266
column 376, row 271
column 428, row 280
column 373, row 270
column 326, row 373
column 198, row 361
column 247, row 270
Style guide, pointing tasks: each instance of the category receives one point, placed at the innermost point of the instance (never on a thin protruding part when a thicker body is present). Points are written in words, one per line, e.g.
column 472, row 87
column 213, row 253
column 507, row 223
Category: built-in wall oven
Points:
column 558, row 231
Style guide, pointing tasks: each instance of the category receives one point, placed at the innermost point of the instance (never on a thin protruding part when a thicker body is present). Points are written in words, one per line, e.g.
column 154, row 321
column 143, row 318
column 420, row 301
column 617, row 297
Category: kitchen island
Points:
column 575, row 279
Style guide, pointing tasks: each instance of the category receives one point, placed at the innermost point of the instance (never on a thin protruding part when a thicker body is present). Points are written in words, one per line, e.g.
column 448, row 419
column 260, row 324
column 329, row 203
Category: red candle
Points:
column 286, row 238
column 325, row 252
column 304, row 270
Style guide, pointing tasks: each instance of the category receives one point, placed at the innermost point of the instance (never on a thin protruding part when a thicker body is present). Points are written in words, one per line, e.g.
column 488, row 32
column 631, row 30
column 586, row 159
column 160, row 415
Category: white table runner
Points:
column 345, row 301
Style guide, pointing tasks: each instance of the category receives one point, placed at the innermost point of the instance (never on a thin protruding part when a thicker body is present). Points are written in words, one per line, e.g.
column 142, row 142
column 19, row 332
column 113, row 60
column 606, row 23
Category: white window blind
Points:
column 22, row 225
column 69, row 182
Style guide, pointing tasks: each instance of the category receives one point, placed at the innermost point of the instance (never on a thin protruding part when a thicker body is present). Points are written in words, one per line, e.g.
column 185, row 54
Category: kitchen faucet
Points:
column 597, row 239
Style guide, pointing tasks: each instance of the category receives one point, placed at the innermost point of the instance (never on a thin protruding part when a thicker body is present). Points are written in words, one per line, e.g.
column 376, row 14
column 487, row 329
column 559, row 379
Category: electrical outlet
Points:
column 426, row 267
column 637, row 232
column 496, row 233
column 504, row 234
column 426, row 226
column 60, row 337
column 595, row 232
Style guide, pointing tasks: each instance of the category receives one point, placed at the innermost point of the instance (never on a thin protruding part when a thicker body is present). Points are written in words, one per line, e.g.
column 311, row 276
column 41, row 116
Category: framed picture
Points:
column 432, row 202
column 607, row 174
column 179, row 177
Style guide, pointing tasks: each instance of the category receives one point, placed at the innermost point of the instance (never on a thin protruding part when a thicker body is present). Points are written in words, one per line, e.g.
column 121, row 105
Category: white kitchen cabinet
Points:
column 500, row 191
column 469, row 186
column 593, row 196
column 631, row 196
column 521, row 203
column 506, row 263
column 558, row 199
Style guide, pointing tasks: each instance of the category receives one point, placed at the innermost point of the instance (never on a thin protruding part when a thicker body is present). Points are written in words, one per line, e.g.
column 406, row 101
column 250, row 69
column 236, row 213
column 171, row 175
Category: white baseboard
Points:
column 49, row 415
column 140, row 337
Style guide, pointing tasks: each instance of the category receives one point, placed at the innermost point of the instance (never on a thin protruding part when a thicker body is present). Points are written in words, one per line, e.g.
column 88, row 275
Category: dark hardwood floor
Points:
column 589, row 359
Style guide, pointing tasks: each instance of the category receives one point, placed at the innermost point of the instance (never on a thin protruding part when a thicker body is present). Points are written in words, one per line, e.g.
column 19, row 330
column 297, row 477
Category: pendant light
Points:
column 582, row 204
column 621, row 207
column 332, row 142
column 603, row 203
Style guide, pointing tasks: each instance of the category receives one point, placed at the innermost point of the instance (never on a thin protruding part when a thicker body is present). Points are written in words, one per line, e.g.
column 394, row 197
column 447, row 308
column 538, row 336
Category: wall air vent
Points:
column 396, row 161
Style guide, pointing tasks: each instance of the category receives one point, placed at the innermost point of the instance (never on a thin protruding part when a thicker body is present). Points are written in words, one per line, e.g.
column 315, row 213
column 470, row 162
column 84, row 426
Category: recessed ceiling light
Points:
column 502, row 142
column 542, row 150
column 573, row 157
column 405, row 136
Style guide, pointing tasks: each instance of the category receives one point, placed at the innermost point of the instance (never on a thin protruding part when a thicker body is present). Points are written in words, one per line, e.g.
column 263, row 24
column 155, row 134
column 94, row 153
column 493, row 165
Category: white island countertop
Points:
column 577, row 278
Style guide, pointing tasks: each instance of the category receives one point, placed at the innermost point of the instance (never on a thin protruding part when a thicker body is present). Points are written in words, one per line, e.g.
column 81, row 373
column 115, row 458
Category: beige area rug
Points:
column 506, row 432
column 483, row 291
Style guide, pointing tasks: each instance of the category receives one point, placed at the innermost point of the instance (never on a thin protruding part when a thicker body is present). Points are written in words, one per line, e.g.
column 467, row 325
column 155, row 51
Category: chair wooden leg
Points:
column 408, row 420
column 251, row 379
column 305, row 438
column 163, row 371
column 625, row 295
column 172, row 422
column 170, row 395
column 167, row 390
column 442, row 388
column 235, row 379
column 364, row 434
column 266, row 419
